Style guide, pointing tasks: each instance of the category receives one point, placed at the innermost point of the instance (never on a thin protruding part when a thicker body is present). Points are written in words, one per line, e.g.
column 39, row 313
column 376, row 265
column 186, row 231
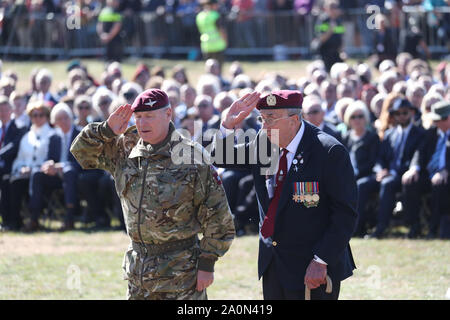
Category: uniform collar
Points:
column 142, row 149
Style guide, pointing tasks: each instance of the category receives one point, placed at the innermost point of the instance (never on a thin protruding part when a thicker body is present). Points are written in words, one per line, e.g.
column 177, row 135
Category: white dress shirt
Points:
column 33, row 149
column 292, row 149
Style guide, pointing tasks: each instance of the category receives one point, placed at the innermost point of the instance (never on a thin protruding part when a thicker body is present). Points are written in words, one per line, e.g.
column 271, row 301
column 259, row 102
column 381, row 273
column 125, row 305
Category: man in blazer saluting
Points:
column 307, row 205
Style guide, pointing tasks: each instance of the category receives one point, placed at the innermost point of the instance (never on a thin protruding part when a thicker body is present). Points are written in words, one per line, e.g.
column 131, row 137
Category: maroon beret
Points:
column 149, row 100
column 282, row 99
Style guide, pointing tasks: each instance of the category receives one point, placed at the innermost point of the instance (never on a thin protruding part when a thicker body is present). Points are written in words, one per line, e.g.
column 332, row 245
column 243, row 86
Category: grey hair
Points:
column 293, row 112
column 58, row 108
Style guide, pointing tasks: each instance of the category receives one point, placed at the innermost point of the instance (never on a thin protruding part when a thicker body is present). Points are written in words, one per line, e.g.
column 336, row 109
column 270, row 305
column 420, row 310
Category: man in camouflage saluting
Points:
column 165, row 205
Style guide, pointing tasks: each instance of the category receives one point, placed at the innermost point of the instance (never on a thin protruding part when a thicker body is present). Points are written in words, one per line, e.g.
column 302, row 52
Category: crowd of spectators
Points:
column 385, row 117
column 249, row 23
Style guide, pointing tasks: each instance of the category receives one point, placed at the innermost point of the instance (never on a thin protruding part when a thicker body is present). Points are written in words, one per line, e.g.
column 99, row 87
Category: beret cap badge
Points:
column 271, row 100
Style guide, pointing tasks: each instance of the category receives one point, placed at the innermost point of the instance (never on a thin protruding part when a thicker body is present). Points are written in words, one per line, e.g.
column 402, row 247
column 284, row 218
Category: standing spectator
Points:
column 37, row 146
column 213, row 38
column 384, row 40
column 109, row 28
column 243, row 23
column 330, row 30
column 413, row 42
column 10, row 136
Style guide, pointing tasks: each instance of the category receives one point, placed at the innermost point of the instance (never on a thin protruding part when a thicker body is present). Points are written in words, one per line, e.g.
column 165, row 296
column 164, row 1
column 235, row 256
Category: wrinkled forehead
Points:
column 274, row 113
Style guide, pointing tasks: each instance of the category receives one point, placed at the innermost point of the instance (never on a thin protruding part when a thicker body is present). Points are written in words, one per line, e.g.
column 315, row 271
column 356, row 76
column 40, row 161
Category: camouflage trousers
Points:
column 168, row 276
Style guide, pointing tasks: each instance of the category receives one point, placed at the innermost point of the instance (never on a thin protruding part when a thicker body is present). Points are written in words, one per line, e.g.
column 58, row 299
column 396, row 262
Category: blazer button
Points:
column 274, row 243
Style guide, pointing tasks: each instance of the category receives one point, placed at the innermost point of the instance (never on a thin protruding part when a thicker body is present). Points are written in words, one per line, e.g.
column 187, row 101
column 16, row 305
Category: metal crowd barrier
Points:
column 272, row 35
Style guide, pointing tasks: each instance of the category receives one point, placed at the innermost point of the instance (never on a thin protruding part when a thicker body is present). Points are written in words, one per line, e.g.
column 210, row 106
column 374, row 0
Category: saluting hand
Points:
column 240, row 109
column 118, row 120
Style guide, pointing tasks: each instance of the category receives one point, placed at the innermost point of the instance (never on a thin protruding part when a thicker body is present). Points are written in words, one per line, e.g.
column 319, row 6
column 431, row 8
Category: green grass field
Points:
column 79, row 265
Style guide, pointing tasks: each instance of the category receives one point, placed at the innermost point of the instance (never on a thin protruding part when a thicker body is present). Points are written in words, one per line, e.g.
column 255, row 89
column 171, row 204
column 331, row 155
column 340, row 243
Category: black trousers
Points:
column 440, row 202
column 18, row 190
column 89, row 185
column 273, row 290
column 42, row 185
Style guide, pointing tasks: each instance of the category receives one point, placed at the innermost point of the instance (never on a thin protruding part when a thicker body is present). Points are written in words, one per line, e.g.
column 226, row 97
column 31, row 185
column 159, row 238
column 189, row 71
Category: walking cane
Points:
column 327, row 290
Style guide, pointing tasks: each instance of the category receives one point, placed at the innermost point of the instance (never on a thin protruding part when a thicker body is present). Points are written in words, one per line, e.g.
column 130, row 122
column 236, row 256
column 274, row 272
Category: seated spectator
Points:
column 341, row 106
column 425, row 108
column 19, row 105
column 205, row 111
column 387, row 81
column 208, row 85
column 427, row 172
column 362, row 145
column 7, row 86
column 313, row 113
column 43, row 83
column 129, row 91
column 213, row 67
column 396, row 152
column 82, row 108
column 223, row 100
column 179, row 74
column 141, row 75
column 101, row 101
column 387, row 119
column 402, row 60
column 40, row 144
column 415, row 93
column 328, row 95
column 241, row 81
column 400, row 87
column 367, row 94
column 62, row 174
column 10, row 135
column 376, row 106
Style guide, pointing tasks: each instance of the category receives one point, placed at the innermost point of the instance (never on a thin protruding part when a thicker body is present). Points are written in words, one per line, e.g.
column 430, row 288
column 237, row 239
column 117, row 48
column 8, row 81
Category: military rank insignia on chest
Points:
column 306, row 193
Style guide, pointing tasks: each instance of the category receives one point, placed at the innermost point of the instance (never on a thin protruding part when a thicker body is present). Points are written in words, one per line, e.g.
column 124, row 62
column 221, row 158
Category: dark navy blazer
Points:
column 388, row 147
column 8, row 152
column 300, row 232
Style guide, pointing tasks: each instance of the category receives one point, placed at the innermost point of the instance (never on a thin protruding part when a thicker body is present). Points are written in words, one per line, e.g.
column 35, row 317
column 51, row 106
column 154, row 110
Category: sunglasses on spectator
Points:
column 38, row 115
column 397, row 113
column 203, row 105
column 357, row 116
column 313, row 112
column 84, row 107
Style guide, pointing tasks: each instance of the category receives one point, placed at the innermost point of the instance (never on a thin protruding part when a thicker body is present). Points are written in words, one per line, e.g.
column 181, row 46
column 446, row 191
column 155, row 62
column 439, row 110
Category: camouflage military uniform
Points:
column 179, row 202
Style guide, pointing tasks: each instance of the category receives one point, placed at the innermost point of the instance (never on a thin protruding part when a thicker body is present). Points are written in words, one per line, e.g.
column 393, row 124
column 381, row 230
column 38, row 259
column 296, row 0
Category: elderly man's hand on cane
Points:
column 316, row 274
